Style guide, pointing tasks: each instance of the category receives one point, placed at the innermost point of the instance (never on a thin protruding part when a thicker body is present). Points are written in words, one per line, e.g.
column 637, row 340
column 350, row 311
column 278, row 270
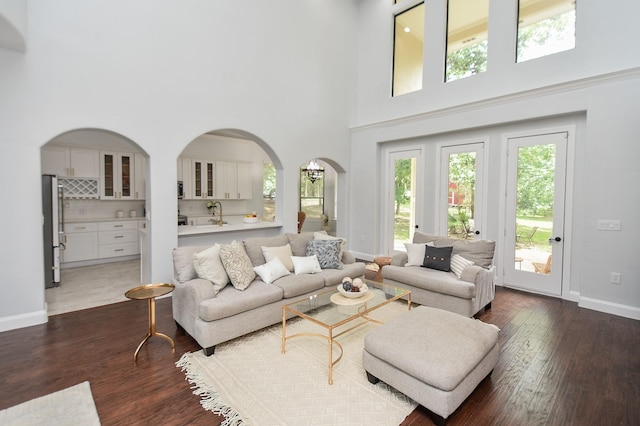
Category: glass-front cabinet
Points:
column 116, row 175
column 203, row 173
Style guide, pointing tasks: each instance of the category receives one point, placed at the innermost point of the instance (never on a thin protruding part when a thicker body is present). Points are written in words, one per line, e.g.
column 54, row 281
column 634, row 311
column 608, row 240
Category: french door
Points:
column 461, row 201
column 402, row 204
column 534, row 220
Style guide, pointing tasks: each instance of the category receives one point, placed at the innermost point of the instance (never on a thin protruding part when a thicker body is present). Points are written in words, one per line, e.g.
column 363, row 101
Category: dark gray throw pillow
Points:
column 438, row 258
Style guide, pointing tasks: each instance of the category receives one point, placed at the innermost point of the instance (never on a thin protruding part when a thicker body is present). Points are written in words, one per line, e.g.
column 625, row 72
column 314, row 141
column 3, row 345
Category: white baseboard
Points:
column 363, row 256
column 626, row 311
column 23, row 320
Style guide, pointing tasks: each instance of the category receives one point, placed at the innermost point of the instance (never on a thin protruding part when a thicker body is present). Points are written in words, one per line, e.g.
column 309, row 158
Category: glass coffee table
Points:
column 327, row 309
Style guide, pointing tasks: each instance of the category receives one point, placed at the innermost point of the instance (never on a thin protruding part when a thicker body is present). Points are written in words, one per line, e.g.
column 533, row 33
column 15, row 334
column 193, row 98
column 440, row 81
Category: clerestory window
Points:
column 408, row 50
column 467, row 30
column 545, row 27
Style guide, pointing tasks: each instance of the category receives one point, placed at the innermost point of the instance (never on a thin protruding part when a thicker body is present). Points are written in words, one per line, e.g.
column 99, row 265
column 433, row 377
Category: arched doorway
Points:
column 101, row 184
column 230, row 166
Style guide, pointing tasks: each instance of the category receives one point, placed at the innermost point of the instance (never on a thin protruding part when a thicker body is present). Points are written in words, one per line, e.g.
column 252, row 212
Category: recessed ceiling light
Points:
column 407, row 29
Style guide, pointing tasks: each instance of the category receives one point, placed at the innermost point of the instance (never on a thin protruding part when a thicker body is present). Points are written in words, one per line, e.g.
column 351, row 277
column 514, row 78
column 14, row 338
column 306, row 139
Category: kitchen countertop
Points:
column 211, row 229
column 101, row 219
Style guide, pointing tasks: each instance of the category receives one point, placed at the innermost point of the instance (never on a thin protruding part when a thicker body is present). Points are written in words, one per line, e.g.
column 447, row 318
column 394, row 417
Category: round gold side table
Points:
column 150, row 292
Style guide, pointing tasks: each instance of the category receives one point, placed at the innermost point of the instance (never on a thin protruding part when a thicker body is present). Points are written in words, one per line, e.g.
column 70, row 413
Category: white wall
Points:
column 595, row 87
column 161, row 73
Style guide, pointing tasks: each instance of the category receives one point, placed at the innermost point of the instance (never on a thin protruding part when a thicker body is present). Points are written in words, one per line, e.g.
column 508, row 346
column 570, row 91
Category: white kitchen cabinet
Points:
column 117, row 171
column 226, row 180
column 139, row 172
column 72, row 162
column 233, row 180
column 81, row 242
column 118, row 238
column 245, row 177
column 202, row 175
column 184, row 175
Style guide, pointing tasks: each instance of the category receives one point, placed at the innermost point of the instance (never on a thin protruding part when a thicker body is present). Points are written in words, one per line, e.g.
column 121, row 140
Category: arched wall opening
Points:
column 102, row 244
column 227, row 171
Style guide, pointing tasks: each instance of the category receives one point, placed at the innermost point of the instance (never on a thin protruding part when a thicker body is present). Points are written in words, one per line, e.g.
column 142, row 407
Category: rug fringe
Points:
column 210, row 399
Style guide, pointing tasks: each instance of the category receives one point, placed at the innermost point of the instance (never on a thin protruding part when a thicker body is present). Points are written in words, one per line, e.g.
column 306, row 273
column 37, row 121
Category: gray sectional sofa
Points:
column 465, row 295
column 212, row 318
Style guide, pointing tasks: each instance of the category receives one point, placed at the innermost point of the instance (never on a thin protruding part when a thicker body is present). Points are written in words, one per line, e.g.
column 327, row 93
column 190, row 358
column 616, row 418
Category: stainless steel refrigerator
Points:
column 52, row 228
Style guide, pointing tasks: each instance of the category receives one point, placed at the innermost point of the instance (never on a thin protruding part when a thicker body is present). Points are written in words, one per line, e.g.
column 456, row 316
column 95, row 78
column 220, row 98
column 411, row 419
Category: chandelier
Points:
column 313, row 171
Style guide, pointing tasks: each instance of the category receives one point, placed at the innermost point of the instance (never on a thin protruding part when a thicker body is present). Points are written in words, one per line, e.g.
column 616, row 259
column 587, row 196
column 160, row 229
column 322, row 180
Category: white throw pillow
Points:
column 271, row 271
column 322, row 235
column 458, row 263
column 209, row 267
column 283, row 253
column 306, row 264
column 415, row 253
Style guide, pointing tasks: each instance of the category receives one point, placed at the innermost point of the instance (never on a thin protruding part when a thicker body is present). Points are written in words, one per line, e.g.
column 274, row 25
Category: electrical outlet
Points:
column 616, row 278
column 608, row 225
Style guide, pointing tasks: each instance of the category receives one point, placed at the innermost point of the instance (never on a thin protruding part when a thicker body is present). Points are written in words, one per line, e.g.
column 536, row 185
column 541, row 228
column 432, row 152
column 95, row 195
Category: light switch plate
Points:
column 608, row 225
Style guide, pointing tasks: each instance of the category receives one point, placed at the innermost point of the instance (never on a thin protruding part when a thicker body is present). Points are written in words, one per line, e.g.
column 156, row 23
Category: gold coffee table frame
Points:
column 384, row 294
column 150, row 292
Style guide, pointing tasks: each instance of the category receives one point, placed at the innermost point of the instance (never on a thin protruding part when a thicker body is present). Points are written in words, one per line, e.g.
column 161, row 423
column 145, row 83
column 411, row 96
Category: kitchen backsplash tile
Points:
column 96, row 209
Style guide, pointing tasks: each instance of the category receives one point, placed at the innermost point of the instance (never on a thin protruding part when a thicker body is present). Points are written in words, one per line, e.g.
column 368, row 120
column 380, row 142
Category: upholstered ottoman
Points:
column 435, row 357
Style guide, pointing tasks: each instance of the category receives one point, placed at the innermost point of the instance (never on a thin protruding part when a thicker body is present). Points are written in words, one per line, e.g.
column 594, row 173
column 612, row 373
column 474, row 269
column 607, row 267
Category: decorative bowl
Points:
column 250, row 219
column 353, row 294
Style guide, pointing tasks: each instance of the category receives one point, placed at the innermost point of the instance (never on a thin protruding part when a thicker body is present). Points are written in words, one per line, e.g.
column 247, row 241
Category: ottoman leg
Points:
column 372, row 379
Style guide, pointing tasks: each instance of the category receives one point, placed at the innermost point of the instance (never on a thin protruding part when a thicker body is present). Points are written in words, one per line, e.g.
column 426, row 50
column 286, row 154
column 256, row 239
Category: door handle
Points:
column 417, row 227
column 477, row 232
column 556, row 240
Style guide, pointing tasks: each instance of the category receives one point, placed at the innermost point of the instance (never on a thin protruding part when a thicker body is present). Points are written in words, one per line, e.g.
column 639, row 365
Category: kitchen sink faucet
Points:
column 213, row 212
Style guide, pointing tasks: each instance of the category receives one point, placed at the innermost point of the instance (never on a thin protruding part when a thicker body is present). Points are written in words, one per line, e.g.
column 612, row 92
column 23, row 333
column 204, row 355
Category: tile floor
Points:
column 91, row 286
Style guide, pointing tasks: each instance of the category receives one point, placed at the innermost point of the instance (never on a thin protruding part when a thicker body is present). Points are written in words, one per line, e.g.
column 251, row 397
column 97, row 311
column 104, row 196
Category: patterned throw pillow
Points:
column 327, row 252
column 438, row 258
column 458, row 263
column 237, row 264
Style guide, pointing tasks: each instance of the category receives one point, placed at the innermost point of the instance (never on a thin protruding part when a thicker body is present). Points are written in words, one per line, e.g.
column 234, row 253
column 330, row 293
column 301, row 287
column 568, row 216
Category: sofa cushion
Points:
column 283, row 253
column 183, row 269
column 297, row 285
column 299, row 242
column 438, row 258
column 333, row 277
column 430, row 279
column 253, row 247
column 237, row 264
column 479, row 252
column 208, row 266
column 327, row 251
column 231, row 301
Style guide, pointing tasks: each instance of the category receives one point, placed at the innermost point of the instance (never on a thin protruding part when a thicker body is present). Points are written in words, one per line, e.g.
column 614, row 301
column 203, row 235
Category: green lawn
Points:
column 540, row 239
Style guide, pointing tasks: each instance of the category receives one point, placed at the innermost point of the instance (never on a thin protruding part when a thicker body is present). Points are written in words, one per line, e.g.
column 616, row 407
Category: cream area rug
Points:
column 250, row 382
column 70, row 406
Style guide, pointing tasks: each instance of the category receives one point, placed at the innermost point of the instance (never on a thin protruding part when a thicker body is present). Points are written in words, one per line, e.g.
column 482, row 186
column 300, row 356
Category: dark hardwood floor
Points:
column 559, row 365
